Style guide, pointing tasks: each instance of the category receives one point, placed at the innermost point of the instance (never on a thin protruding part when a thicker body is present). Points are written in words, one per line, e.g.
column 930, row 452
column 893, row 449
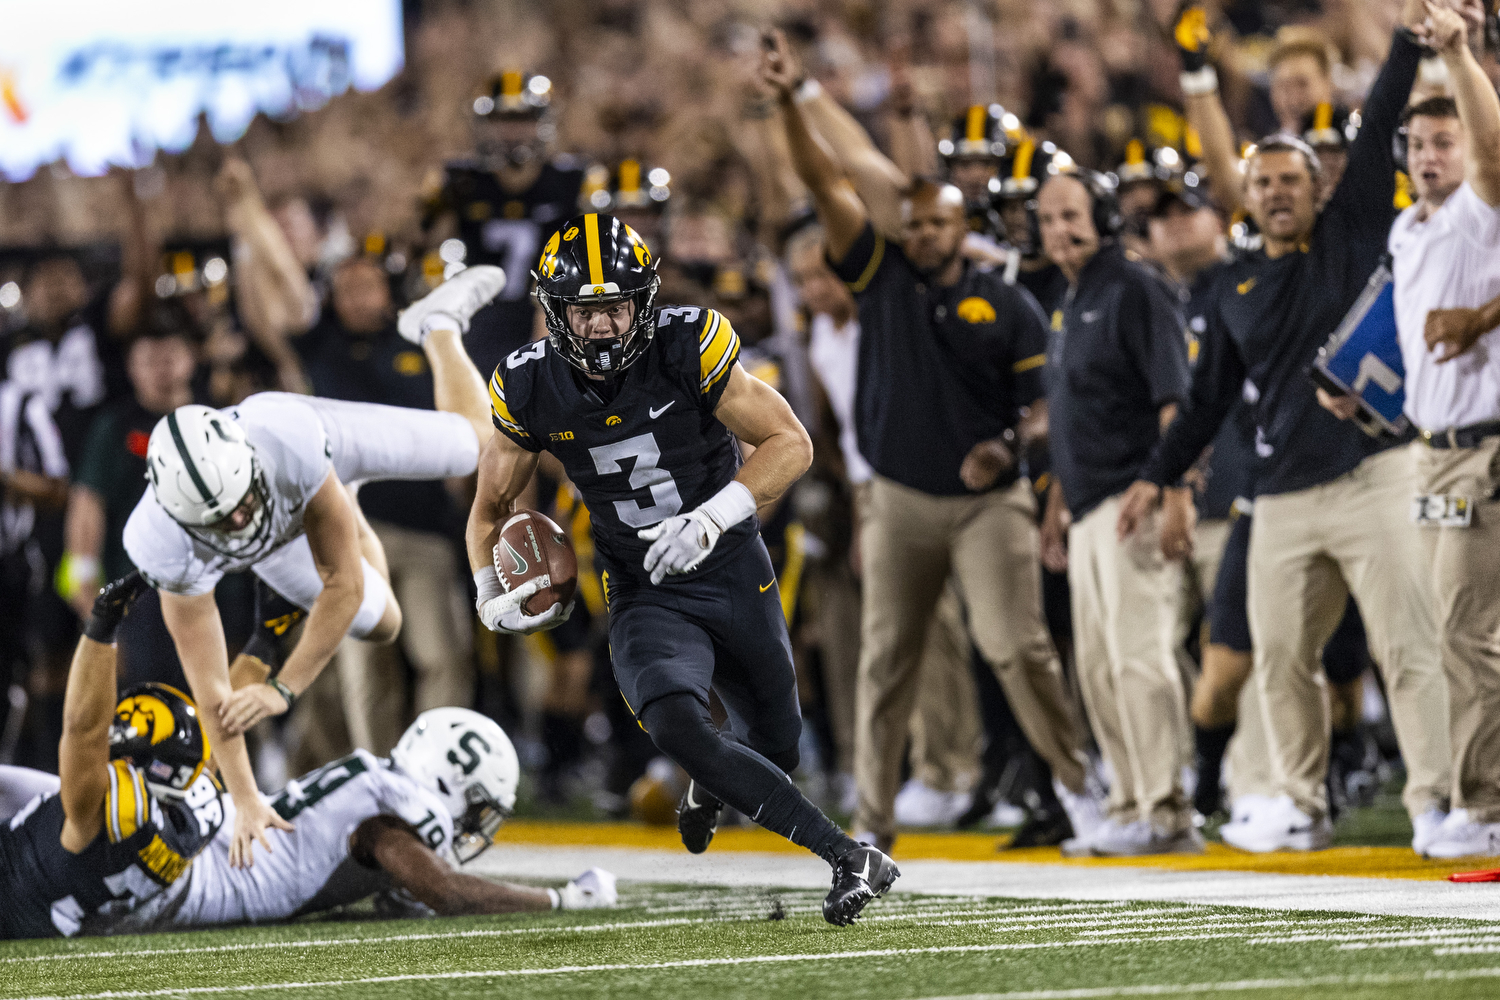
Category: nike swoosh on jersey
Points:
column 657, row 413
column 768, row 586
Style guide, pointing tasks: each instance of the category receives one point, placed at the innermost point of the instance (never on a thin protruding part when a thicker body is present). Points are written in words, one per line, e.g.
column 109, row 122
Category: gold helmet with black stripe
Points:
column 597, row 260
column 156, row 728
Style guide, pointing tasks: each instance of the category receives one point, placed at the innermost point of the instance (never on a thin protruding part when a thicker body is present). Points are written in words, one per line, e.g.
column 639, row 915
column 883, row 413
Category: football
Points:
column 531, row 545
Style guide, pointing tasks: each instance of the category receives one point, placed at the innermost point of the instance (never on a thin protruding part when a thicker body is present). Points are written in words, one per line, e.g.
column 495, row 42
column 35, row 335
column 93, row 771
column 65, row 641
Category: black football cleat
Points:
column 697, row 820
column 858, row 877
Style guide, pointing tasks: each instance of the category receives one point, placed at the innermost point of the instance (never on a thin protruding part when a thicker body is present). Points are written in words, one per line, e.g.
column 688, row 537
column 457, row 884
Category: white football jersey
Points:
column 292, row 451
column 310, row 869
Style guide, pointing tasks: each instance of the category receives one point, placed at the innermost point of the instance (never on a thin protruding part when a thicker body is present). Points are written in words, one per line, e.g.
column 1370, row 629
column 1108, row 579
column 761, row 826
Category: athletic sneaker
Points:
column 698, row 818
column 1241, row 808
column 458, row 298
column 1460, row 837
column 858, row 877
column 1140, row 838
column 1086, row 812
column 1426, row 828
column 1278, row 826
column 919, row 804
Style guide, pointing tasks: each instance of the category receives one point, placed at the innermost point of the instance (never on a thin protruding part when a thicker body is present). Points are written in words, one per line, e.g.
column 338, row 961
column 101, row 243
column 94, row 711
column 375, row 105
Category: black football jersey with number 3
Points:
column 655, row 450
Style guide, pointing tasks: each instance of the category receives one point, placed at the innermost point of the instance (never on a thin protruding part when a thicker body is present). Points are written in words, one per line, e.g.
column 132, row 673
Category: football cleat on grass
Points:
column 698, row 818
column 458, row 299
column 860, row 876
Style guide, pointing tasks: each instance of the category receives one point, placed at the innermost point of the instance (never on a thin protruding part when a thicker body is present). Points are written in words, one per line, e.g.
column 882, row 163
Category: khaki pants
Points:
column 435, row 636
column 1200, row 571
column 1308, row 551
column 835, row 592
column 911, row 542
column 1125, row 598
column 1465, row 568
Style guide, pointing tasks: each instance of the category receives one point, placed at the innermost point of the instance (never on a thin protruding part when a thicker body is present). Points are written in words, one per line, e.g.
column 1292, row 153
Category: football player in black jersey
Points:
column 503, row 203
column 135, row 804
column 644, row 409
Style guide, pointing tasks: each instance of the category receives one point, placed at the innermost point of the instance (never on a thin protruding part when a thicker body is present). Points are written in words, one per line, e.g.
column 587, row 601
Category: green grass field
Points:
column 722, row 944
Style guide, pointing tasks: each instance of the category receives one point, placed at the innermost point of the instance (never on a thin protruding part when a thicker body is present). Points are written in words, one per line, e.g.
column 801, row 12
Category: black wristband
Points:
column 276, row 685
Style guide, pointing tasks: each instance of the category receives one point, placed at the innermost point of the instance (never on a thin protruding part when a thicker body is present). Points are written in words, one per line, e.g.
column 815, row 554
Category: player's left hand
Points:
column 1179, row 517
column 1135, row 506
column 249, row 705
column 593, row 889
column 984, row 463
column 679, row 544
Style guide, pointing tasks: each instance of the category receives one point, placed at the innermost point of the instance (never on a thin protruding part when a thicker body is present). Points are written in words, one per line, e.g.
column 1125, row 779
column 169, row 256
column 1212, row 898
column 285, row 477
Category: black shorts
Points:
column 725, row 630
column 1228, row 616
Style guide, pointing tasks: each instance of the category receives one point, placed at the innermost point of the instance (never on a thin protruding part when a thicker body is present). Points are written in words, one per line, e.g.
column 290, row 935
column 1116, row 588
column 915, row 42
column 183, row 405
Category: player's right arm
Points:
column 505, row 467
column 197, row 632
column 839, row 209
column 396, row 848
column 83, row 763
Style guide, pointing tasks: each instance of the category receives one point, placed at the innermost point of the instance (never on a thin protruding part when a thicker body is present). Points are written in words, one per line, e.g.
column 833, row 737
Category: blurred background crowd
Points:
column 278, row 261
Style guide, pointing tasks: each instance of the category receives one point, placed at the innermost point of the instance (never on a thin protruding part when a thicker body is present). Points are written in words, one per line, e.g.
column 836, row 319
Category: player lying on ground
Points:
column 367, row 825
column 643, row 409
column 134, row 804
column 261, row 486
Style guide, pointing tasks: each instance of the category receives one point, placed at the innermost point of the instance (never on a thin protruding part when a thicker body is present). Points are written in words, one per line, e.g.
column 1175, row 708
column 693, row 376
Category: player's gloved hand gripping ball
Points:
column 532, row 557
column 681, row 543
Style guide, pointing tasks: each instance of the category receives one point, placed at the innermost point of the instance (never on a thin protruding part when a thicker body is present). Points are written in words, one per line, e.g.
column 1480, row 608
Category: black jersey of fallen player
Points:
column 653, row 450
column 145, row 845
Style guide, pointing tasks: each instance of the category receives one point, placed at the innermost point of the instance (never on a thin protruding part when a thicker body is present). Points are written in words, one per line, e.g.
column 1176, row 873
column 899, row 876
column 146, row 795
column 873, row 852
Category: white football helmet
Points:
column 202, row 467
column 466, row 760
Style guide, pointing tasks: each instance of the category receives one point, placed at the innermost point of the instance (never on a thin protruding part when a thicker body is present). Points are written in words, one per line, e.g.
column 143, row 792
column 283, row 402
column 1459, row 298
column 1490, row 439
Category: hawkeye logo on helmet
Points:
column 572, row 232
column 598, row 289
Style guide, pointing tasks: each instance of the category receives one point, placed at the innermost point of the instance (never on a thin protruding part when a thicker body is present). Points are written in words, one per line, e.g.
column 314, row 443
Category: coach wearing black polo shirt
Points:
column 1117, row 370
column 949, row 391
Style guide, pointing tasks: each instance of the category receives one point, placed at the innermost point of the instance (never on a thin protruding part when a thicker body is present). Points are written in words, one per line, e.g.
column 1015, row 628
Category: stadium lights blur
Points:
column 484, row 105
column 659, row 177
column 453, row 251
column 215, row 270
column 10, row 295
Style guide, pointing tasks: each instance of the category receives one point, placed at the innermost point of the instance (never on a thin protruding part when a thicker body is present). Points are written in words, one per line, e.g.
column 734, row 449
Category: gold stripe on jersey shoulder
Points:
column 1026, row 364
column 125, row 808
column 591, row 239
column 498, row 408
column 718, row 345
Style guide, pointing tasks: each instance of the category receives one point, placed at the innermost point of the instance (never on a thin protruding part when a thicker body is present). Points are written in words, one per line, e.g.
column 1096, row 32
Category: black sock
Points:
column 1210, row 745
column 682, row 729
column 563, row 736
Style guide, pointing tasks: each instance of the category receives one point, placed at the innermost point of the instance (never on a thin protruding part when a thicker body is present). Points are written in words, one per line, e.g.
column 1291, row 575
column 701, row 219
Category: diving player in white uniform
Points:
column 367, row 825
column 260, row 486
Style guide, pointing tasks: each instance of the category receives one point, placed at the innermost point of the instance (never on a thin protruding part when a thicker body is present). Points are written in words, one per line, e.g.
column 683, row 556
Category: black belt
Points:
column 1471, row 436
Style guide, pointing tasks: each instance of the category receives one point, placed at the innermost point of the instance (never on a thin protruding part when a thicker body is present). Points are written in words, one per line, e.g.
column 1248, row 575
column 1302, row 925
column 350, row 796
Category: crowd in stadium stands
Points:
column 1021, row 576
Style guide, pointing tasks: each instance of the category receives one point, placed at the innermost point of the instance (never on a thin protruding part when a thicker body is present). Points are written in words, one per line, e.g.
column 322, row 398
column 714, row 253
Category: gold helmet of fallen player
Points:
column 597, row 260
column 156, row 729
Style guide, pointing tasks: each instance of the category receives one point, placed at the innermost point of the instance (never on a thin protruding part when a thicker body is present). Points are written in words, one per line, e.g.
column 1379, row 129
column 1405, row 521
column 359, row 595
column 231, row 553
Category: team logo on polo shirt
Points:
column 1244, row 287
column 976, row 310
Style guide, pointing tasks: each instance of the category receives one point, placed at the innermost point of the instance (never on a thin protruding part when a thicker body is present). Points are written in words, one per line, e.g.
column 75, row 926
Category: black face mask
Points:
column 498, row 155
column 601, row 357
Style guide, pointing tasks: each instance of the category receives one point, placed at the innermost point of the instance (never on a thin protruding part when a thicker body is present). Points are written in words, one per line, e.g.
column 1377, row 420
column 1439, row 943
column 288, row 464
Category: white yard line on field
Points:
column 1028, row 913
column 1075, row 994
column 1387, row 897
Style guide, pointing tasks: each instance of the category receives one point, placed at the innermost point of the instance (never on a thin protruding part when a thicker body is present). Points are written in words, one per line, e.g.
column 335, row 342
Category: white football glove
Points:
column 592, row 890
column 679, row 544
column 505, row 614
